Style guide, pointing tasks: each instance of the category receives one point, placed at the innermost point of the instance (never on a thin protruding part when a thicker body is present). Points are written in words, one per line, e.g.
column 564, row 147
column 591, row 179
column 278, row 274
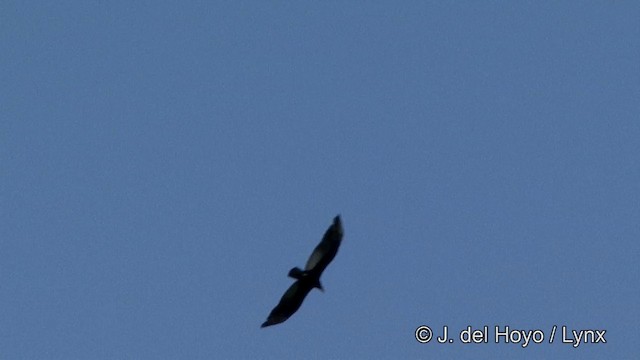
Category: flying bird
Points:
column 308, row 278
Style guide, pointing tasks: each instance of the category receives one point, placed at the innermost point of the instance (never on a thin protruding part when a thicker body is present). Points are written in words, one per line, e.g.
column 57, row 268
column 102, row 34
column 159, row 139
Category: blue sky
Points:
column 164, row 164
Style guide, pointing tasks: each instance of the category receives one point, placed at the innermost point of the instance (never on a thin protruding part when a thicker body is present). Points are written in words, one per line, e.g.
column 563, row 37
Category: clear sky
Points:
column 164, row 164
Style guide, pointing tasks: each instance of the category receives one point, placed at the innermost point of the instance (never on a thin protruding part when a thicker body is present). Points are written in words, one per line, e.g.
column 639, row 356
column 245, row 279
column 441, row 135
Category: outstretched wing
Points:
column 324, row 253
column 289, row 303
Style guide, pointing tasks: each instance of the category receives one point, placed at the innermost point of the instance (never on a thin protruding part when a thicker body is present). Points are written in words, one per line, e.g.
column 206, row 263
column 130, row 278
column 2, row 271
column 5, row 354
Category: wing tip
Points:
column 337, row 224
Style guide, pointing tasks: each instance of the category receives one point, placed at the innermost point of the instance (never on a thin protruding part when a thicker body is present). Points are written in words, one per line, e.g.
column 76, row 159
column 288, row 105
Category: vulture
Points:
column 308, row 278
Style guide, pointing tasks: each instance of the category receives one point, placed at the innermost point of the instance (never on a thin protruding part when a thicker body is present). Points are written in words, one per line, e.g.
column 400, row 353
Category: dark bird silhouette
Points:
column 308, row 278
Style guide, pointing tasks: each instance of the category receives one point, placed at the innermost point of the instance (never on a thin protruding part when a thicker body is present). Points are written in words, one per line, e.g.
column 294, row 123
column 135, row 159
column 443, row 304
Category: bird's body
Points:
column 308, row 278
